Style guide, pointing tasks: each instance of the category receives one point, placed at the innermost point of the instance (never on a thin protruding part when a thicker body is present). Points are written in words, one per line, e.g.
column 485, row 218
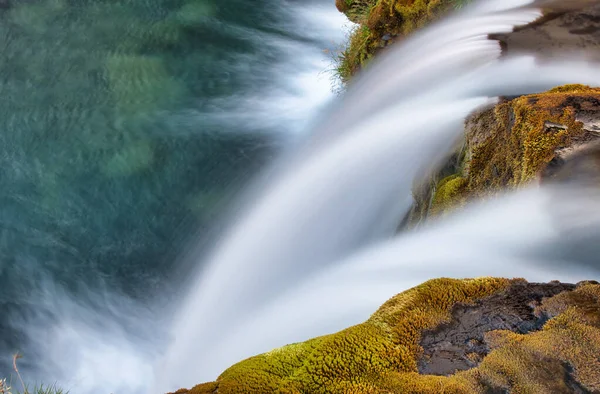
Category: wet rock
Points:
column 460, row 344
column 590, row 120
column 568, row 27
column 580, row 163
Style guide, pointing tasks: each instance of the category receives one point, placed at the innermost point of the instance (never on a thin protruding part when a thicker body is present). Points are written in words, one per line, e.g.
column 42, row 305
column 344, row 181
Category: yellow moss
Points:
column 379, row 356
column 587, row 299
column 424, row 384
column 359, row 359
column 523, row 137
column 450, row 193
column 572, row 88
column 377, row 18
column 205, row 388
column 540, row 362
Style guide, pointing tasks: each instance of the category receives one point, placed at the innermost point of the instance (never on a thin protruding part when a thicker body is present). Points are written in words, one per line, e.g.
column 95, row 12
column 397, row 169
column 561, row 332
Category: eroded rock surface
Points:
column 460, row 345
column 569, row 26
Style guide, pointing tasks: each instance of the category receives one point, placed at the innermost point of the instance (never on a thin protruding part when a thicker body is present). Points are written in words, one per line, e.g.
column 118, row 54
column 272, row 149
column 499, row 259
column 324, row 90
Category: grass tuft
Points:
column 7, row 388
column 382, row 22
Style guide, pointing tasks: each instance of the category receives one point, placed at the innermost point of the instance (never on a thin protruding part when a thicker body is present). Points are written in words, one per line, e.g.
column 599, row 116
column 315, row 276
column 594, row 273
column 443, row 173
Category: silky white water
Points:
column 314, row 251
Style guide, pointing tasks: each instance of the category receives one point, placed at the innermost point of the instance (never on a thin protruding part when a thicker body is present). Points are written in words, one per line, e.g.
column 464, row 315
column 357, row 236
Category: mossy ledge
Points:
column 519, row 141
column 540, row 338
column 516, row 140
column 380, row 23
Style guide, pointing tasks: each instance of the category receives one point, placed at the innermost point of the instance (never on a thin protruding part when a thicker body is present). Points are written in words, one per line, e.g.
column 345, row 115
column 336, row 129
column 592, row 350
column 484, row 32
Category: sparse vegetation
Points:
column 382, row 22
column 8, row 388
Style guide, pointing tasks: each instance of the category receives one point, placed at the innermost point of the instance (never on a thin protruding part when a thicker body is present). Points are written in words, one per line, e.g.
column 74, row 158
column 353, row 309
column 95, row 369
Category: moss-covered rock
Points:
column 356, row 10
column 555, row 325
column 565, row 26
column 510, row 145
column 450, row 193
column 381, row 22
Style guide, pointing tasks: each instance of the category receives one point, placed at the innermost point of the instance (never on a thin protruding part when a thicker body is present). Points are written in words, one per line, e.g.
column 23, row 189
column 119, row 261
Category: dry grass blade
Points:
column 4, row 387
column 15, row 358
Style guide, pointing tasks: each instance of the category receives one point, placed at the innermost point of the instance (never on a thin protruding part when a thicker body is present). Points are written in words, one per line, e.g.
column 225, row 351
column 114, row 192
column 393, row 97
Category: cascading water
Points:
column 279, row 274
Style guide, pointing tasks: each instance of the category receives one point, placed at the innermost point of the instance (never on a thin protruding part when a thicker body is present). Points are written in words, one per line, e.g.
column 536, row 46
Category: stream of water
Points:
column 173, row 201
column 280, row 274
column 127, row 129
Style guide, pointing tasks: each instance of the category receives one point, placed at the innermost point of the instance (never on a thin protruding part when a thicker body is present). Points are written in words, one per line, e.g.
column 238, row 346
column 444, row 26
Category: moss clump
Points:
column 359, row 357
column 356, row 10
column 563, row 355
column 450, row 193
column 380, row 355
column 572, row 88
column 356, row 55
column 382, row 22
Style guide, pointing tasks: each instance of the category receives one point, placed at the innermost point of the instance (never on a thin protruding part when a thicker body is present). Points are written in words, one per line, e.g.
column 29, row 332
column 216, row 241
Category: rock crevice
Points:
column 460, row 343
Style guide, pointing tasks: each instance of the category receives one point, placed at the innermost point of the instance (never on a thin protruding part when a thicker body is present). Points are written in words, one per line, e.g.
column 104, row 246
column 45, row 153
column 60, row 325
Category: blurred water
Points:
column 126, row 127
column 129, row 126
column 279, row 274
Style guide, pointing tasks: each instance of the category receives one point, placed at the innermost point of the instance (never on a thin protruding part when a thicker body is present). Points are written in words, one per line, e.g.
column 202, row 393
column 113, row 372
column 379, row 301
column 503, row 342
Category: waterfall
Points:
column 130, row 127
column 315, row 250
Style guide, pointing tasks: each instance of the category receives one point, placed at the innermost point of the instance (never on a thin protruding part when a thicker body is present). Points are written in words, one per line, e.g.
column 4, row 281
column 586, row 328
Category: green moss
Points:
column 379, row 356
column 395, row 19
column 360, row 357
column 522, row 137
column 450, row 193
column 42, row 389
column 356, row 55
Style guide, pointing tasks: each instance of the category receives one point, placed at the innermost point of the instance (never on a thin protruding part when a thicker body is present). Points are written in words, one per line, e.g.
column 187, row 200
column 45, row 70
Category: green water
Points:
column 107, row 160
